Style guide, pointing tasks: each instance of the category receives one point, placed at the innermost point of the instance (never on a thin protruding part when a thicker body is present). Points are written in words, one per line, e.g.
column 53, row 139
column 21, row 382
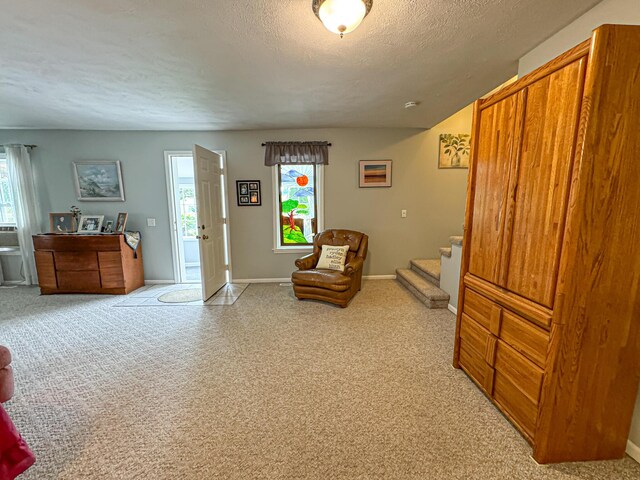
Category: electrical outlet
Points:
column 404, row 214
column 151, row 222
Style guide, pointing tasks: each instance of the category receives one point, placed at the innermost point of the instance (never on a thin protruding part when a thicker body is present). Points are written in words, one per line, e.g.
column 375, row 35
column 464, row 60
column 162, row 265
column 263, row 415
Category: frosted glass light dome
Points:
column 342, row 16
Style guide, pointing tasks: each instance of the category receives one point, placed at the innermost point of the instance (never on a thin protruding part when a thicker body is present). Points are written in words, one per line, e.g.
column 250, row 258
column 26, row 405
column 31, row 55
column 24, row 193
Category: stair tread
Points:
column 456, row 240
column 423, row 286
column 430, row 266
column 446, row 251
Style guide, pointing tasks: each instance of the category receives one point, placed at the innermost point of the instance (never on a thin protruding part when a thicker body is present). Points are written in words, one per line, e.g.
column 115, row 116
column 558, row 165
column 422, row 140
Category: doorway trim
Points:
column 172, row 208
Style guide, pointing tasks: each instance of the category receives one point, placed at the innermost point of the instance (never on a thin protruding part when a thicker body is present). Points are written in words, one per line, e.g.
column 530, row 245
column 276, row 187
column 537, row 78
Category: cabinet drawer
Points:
column 76, row 261
column 474, row 336
column 474, row 364
column 79, row 282
column 479, row 308
column 516, row 386
column 526, row 338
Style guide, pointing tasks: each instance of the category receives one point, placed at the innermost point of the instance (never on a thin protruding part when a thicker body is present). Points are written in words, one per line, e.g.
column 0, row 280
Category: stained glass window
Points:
column 297, row 204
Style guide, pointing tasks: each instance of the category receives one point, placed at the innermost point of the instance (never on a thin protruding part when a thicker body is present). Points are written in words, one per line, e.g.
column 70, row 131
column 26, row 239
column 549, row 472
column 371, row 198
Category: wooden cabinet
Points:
column 87, row 264
column 548, row 307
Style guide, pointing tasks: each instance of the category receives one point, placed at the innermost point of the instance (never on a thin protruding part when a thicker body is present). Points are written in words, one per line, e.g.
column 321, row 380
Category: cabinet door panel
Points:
column 493, row 150
column 544, row 164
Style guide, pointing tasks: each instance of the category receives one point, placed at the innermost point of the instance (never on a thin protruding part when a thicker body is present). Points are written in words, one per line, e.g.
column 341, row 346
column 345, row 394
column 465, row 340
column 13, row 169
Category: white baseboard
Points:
column 158, row 282
column 379, row 277
column 452, row 309
column 633, row 451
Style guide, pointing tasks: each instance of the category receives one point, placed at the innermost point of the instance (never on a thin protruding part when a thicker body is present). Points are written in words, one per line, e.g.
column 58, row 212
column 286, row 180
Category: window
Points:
column 7, row 207
column 297, row 206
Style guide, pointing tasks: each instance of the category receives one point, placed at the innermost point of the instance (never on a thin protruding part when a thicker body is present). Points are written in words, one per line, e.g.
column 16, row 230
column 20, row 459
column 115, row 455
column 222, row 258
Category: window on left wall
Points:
column 7, row 205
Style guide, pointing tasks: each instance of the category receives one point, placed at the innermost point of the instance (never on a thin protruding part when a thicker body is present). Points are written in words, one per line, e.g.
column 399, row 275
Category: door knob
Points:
column 204, row 237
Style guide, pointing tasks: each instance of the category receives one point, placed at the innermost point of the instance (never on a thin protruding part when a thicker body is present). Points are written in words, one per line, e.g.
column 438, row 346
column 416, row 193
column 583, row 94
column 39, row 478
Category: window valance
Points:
column 316, row 153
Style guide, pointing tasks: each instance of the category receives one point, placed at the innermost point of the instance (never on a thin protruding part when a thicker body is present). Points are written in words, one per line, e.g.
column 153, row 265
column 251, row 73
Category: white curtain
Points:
column 26, row 205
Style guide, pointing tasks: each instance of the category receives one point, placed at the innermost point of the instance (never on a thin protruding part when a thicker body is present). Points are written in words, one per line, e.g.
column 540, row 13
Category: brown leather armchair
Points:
column 331, row 285
column 6, row 375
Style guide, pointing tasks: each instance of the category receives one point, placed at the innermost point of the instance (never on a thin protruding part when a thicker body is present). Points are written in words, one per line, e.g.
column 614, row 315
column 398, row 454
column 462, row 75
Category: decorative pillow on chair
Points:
column 333, row 258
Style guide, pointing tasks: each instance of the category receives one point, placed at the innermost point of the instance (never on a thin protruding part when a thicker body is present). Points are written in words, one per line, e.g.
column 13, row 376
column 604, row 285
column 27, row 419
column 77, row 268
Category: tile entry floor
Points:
column 147, row 296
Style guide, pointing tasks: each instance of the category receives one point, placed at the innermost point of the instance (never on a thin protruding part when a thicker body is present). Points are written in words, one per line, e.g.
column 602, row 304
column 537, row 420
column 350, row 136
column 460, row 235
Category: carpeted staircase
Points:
column 423, row 278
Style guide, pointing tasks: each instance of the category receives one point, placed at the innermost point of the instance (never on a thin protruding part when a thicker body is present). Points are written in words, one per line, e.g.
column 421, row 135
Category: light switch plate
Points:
column 404, row 214
column 151, row 222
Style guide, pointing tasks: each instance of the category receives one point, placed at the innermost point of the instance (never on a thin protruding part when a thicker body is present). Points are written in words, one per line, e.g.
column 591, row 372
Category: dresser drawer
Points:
column 76, row 261
column 71, row 281
column 524, row 336
column 476, row 367
column 474, row 335
column 479, row 308
column 528, row 339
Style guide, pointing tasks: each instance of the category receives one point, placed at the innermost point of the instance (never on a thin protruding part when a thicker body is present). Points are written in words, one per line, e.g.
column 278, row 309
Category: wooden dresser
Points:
column 548, row 319
column 87, row 264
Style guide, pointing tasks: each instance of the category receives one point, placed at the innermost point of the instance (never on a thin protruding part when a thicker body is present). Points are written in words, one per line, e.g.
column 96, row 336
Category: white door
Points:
column 211, row 221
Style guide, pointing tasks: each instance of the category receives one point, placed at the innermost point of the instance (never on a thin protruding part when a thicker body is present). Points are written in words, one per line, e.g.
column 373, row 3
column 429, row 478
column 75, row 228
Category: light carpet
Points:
column 267, row 388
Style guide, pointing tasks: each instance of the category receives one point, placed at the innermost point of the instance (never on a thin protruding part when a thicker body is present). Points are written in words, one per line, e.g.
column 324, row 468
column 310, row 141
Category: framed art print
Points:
column 454, row 150
column 248, row 192
column 375, row 173
column 98, row 181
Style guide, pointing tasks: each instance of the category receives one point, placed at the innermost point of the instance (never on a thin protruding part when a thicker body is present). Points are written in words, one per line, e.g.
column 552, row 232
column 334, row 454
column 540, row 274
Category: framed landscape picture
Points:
column 99, row 181
column 248, row 192
column 375, row 173
column 454, row 150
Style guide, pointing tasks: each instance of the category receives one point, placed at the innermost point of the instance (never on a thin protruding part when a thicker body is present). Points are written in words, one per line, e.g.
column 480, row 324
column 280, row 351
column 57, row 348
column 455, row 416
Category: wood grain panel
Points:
column 46, row 270
column 76, row 261
column 111, row 275
column 494, row 150
column 594, row 364
column 548, row 144
column 73, row 243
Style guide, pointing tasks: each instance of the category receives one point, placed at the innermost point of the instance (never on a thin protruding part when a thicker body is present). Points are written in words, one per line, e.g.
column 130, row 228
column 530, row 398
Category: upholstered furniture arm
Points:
column 307, row 262
column 353, row 266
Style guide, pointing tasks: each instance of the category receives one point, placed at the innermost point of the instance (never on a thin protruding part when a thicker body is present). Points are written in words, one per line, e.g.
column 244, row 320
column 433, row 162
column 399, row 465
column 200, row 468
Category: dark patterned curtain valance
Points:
column 296, row 152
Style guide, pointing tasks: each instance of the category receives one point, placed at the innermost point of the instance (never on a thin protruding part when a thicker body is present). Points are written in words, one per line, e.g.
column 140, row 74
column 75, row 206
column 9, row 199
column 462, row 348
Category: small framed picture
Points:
column 90, row 224
column 454, row 150
column 375, row 173
column 248, row 192
column 121, row 222
column 62, row 223
column 108, row 226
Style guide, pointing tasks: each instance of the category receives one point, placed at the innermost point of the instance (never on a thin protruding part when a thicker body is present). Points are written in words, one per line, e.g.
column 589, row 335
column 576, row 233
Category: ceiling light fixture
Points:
column 341, row 16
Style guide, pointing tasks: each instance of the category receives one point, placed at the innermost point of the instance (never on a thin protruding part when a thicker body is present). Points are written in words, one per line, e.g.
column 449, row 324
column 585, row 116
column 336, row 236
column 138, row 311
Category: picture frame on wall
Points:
column 375, row 173
column 98, row 181
column 62, row 223
column 248, row 193
column 121, row 222
column 454, row 150
column 90, row 224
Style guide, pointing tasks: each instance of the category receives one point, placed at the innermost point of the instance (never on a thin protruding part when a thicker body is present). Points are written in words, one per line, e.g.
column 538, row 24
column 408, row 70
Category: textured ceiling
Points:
column 250, row 64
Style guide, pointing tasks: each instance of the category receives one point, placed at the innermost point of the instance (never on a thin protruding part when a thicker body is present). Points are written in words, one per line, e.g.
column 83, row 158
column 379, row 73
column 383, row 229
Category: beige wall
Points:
column 434, row 199
column 609, row 11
